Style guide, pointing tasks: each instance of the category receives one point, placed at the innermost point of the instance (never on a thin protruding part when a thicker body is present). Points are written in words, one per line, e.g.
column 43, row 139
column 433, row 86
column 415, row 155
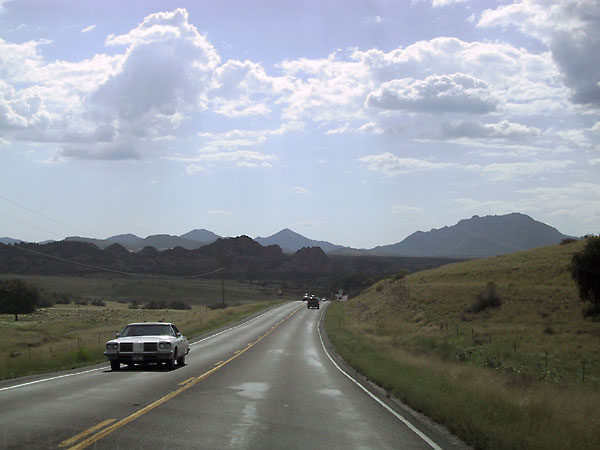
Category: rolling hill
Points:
column 478, row 237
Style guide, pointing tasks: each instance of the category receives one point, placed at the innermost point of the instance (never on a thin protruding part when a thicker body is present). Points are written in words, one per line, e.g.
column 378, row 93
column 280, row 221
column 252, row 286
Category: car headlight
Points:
column 164, row 345
column 112, row 346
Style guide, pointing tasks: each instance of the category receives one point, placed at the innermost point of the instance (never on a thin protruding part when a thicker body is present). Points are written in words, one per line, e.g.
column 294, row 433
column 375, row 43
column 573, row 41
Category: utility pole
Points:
column 223, row 287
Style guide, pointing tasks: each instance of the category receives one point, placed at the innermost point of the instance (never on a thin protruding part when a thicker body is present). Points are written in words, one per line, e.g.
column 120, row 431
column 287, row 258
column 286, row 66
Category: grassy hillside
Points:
column 530, row 365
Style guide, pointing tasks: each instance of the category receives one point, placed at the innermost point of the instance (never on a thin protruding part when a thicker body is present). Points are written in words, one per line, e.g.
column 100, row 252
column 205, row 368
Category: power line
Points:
column 29, row 225
column 45, row 217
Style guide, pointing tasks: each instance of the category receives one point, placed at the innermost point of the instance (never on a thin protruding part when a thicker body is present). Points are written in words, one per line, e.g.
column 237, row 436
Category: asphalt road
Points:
column 265, row 384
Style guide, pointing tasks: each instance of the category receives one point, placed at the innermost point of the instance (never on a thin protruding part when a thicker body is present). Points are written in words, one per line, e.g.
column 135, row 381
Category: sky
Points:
column 353, row 122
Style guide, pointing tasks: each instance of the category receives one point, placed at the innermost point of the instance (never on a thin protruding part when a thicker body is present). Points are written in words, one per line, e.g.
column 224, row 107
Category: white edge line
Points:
column 374, row 397
column 50, row 379
column 106, row 367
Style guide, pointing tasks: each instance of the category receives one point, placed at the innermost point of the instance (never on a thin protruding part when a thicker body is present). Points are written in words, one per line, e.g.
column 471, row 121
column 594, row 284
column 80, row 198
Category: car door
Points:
column 182, row 341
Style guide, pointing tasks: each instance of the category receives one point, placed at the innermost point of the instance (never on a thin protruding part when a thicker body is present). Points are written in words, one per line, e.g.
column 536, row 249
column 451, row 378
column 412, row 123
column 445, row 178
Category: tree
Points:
column 585, row 270
column 16, row 297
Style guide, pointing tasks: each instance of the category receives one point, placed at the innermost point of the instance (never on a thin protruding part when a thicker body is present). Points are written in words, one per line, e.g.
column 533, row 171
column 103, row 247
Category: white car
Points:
column 148, row 342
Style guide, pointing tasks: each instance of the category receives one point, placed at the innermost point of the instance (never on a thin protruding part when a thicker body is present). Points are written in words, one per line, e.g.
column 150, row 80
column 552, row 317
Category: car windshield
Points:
column 147, row 330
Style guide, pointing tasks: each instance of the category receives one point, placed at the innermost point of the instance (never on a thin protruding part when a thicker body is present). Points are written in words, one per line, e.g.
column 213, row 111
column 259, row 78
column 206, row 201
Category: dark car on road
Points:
column 313, row 302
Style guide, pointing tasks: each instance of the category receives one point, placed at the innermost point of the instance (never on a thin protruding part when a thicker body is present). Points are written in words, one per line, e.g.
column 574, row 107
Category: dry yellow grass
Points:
column 510, row 377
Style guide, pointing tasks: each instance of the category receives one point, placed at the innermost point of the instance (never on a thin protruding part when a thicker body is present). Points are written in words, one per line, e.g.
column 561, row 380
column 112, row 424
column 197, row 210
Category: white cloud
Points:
column 563, row 205
column 512, row 170
column 443, row 74
column 503, row 130
column 402, row 209
column 168, row 69
column 193, row 169
column 219, row 212
column 441, row 3
column 88, row 29
column 245, row 89
column 374, row 19
column 110, row 107
column 435, row 94
column 298, row 190
column 391, row 165
column 488, row 207
column 234, row 156
column 575, row 203
column 340, row 130
column 570, row 28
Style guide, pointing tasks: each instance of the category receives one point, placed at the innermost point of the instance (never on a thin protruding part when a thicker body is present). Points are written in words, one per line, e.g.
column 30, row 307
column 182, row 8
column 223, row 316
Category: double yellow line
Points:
column 185, row 385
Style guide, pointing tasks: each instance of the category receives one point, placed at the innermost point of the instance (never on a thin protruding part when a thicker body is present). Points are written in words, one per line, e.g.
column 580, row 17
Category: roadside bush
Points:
column 400, row 275
column 162, row 304
column 568, row 241
column 216, row 306
column 45, row 302
column 61, row 299
column 98, row 302
column 489, row 298
column 178, row 304
column 585, row 271
column 155, row 304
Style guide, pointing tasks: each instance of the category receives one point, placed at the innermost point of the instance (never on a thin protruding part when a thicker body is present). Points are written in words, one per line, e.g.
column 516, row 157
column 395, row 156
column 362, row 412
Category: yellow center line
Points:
column 186, row 381
column 84, row 433
column 114, row 427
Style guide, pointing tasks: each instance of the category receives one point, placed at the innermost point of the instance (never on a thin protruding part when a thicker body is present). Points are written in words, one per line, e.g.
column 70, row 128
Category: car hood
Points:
column 144, row 339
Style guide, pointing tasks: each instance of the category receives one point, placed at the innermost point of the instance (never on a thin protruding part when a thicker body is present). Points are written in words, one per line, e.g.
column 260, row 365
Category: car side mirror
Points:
column 118, row 335
column 178, row 334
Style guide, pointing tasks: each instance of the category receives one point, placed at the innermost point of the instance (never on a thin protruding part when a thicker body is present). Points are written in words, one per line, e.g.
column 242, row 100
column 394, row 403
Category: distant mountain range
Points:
column 290, row 242
column 470, row 238
column 190, row 241
column 478, row 237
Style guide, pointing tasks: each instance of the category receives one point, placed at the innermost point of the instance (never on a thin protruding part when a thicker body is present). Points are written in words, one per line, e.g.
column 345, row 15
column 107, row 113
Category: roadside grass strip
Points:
column 192, row 382
column 398, row 416
column 68, row 336
column 484, row 407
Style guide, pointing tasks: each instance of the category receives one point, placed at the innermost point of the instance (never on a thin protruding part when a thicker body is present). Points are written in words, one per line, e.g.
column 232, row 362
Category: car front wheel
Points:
column 171, row 362
column 114, row 365
column 181, row 361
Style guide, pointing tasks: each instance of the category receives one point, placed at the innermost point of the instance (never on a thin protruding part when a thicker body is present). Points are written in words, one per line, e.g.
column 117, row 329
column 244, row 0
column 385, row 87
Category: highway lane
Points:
column 266, row 384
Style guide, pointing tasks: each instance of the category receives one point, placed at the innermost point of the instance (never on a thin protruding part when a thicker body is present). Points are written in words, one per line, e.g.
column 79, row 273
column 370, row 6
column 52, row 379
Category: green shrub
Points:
column 585, row 270
column 489, row 298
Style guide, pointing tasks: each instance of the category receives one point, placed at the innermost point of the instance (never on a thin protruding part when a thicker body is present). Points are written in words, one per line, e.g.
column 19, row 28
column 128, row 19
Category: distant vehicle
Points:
column 306, row 297
column 313, row 302
column 146, row 343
